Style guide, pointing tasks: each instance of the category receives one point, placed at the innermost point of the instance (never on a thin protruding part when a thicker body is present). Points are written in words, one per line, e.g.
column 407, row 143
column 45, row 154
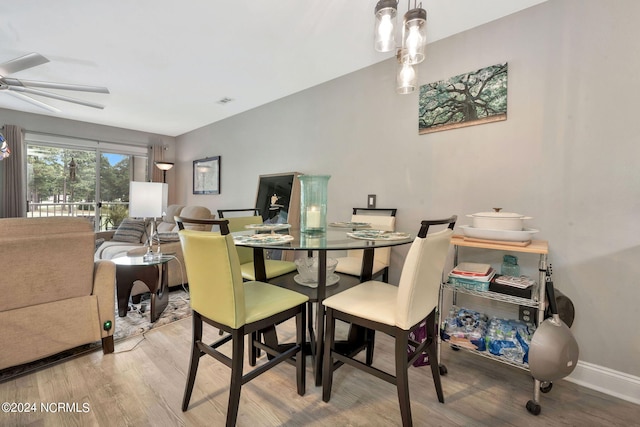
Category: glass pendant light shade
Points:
column 385, row 29
column 407, row 77
column 414, row 36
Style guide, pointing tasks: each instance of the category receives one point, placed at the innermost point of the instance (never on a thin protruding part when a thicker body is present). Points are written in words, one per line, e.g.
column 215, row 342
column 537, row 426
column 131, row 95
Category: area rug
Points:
column 136, row 322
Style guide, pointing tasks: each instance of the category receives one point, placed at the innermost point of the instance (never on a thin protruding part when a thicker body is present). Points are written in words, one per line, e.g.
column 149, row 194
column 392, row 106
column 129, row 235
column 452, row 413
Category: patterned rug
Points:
column 136, row 322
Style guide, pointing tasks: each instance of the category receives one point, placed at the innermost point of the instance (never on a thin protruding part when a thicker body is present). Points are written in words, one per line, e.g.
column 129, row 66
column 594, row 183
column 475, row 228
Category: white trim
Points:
column 85, row 144
column 608, row 381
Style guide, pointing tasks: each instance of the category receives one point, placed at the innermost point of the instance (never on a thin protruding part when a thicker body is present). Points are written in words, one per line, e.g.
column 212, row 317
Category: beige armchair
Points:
column 54, row 295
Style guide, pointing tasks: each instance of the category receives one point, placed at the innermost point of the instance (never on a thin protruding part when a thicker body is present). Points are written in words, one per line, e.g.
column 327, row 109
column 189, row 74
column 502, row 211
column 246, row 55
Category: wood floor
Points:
column 142, row 385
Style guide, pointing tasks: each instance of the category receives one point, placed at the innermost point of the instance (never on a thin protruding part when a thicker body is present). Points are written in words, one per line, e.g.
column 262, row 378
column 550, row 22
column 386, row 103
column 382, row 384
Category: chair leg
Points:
column 402, row 376
column 385, row 275
column 195, row 359
column 433, row 356
column 254, row 352
column 370, row 338
column 329, row 343
column 301, row 356
column 236, row 375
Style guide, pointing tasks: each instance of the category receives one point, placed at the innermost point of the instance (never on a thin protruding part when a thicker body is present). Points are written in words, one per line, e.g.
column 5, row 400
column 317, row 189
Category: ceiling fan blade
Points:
column 34, row 101
column 54, row 96
column 27, row 61
column 52, row 85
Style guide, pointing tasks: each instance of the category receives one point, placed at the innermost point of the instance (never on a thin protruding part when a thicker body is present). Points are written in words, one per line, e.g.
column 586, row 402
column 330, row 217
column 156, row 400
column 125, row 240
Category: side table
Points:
column 153, row 273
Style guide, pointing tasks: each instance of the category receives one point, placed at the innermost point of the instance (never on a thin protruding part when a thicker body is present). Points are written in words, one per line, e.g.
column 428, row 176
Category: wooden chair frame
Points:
column 282, row 353
column 333, row 359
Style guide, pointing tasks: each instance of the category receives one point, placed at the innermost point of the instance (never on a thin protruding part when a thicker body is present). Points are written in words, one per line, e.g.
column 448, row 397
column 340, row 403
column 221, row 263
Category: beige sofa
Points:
column 54, row 295
column 169, row 243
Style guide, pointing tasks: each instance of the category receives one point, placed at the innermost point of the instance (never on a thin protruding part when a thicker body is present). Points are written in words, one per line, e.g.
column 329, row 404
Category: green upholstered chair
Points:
column 380, row 219
column 273, row 268
column 221, row 299
column 396, row 311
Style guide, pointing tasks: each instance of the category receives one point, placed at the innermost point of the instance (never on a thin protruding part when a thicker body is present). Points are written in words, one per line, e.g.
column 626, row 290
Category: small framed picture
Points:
column 206, row 176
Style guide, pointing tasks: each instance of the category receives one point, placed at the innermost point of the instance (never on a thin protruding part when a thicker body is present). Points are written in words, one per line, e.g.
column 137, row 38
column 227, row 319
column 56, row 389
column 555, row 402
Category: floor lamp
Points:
column 148, row 200
column 164, row 167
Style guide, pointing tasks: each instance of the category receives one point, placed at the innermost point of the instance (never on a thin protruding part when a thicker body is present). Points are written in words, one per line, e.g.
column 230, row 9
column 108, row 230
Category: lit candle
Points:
column 313, row 217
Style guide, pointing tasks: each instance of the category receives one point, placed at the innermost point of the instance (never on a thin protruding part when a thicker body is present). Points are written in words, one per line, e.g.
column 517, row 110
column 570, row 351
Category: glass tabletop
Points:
column 332, row 239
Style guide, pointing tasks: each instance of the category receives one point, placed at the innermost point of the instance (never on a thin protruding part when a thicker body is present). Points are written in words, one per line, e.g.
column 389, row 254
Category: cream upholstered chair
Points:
column 380, row 219
column 273, row 268
column 396, row 311
column 221, row 299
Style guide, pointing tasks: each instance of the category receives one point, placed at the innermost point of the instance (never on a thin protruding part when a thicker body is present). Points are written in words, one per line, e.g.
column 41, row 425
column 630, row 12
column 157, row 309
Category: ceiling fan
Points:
column 20, row 87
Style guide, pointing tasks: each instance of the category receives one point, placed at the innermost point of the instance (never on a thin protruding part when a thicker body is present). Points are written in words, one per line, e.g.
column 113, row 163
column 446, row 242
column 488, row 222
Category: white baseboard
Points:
column 608, row 381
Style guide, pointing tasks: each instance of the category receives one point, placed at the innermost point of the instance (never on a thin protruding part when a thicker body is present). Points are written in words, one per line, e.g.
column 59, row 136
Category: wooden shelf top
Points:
column 535, row 247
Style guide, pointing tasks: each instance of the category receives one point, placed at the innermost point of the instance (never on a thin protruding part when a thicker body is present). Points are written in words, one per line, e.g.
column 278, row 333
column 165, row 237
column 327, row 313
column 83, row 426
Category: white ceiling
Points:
column 168, row 63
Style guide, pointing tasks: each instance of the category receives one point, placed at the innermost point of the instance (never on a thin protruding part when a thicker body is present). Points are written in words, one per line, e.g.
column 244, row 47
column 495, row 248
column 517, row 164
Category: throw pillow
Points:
column 130, row 230
column 166, row 237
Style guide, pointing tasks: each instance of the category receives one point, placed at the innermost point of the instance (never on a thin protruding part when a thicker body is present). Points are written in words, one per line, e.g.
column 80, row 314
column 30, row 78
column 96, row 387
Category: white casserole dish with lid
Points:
column 497, row 220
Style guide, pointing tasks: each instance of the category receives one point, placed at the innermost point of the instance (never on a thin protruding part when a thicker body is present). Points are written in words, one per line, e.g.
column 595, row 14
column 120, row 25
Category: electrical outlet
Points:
column 527, row 314
column 371, row 201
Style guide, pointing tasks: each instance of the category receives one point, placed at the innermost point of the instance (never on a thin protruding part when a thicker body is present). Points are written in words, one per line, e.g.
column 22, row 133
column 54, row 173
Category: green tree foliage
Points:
column 464, row 98
column 49, row 176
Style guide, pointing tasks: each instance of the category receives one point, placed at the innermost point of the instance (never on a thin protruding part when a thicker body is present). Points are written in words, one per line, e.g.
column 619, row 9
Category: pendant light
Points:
column 414, row 40
column 385, row 29
column 406, row 79
column 414, row 35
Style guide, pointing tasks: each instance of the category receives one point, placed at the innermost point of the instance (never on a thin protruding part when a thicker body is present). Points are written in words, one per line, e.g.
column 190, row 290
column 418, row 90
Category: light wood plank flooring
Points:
column 142, row 385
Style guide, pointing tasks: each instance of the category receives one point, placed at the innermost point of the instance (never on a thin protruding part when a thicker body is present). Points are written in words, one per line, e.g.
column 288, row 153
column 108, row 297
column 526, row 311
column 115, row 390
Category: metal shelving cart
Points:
column 537, row 302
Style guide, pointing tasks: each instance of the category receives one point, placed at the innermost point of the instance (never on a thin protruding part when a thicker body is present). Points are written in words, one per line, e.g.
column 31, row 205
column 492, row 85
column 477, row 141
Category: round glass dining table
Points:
column 334, row 239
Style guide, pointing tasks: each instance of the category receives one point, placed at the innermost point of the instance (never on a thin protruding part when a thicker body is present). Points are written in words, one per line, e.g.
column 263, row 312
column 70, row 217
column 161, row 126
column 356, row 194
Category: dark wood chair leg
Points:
column 433, row 356
column 253, row 350
column 301, row 356
column 236, row 375
column 195, row 359
column 107, row 345
column 329, row 343
column 370, row 337
column 402, row 376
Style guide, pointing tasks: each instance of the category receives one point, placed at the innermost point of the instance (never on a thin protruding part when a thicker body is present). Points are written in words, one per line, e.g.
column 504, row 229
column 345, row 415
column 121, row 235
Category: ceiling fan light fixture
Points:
column 385, row 28
column 414, row 35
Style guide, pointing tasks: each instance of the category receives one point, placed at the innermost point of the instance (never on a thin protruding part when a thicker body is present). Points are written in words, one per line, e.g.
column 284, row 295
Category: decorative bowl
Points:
column 308, row 268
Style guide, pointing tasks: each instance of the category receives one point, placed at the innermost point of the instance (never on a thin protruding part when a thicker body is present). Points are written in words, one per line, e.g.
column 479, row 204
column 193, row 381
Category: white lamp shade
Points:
column 147, row 199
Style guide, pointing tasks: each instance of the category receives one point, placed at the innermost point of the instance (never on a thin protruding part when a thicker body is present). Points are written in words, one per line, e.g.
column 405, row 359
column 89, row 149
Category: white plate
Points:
column 267, row 227
column 505, row 235
column 263, row 239
column 331, row 280
column 378, row 235
column 351, row 225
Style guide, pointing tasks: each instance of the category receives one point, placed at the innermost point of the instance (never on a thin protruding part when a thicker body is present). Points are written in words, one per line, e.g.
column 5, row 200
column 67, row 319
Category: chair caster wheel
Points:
column 443, row 370
column 533, row 407
column 546, row 387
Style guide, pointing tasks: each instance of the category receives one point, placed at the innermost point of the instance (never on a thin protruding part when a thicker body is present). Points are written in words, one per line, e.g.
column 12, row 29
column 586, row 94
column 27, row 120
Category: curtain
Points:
column 13, row 192
column 157, row 155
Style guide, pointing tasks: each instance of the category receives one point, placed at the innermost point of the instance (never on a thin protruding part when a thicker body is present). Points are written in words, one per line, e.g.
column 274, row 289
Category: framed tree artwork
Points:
column 465, row 100
column 206, row 176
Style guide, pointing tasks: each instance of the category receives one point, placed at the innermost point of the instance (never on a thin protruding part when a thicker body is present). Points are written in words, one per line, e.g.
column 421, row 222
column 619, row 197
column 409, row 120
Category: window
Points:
column 61, row 178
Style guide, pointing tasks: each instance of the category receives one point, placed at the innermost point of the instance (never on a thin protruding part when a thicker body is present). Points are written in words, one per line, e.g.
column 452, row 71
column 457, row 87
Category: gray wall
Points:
column 565, row 155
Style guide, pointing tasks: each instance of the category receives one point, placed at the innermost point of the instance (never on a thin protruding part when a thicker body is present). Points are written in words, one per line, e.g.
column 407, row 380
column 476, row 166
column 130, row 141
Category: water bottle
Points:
column 510, row 266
